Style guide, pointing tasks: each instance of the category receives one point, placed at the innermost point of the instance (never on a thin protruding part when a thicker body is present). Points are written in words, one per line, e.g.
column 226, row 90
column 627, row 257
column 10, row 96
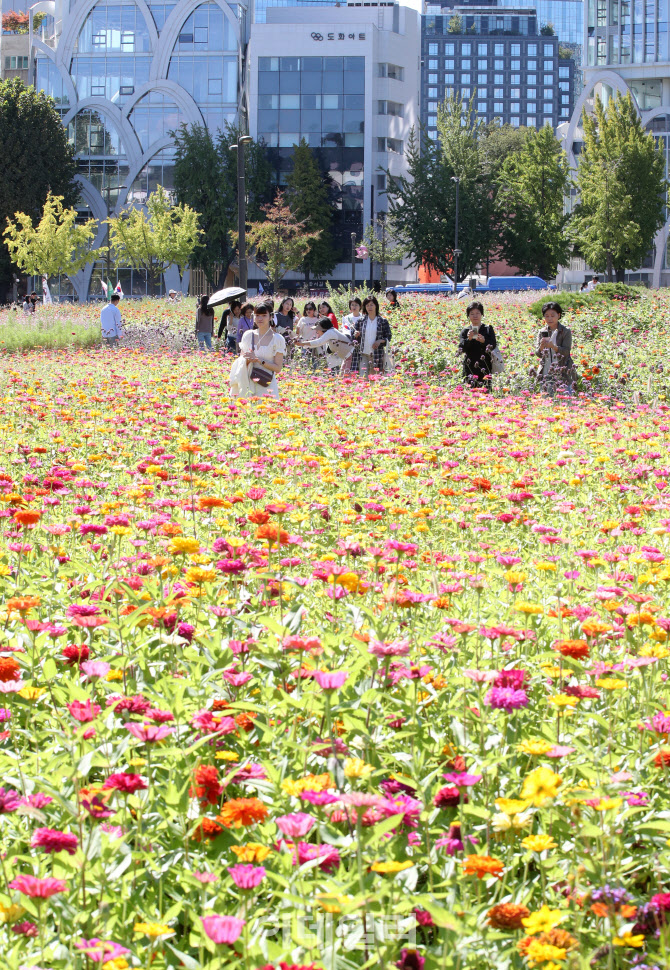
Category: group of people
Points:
column 30, row 302
column 359, row 344
column 553, row 345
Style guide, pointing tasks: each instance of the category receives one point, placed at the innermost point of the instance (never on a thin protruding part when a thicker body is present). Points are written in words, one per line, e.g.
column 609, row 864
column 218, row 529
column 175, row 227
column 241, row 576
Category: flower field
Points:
column 371, row 676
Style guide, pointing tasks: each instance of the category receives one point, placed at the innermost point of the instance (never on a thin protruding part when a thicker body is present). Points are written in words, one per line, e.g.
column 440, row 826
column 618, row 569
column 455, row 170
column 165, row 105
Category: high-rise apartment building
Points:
column 347, row 83
column 626, row 43
column 498, row 57
column 123, row 75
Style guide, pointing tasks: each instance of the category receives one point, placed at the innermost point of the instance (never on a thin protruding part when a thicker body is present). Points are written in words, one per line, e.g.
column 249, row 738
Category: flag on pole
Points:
column 104, row 287
column 261, row 291
column 46, row 292
column 110, row 290
column 119, row 289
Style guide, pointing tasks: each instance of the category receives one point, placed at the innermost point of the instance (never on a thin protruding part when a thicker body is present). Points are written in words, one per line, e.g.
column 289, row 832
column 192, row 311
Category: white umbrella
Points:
column 225, row 295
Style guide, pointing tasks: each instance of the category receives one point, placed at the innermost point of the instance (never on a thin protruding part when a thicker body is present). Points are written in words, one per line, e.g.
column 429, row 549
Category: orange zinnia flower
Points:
column 22, row 604
column 205, row 502
column 258, row 518
column 208, row 829
column 27, row 517
column 482, row 866
column 9, row 669
column 242, row 811
column 577, row 649
column 507, row 916
column 273, row 534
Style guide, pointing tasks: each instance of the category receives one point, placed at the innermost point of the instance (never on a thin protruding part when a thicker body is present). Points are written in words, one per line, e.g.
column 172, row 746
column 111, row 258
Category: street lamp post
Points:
column 457, row 251
column 353, row 261
column 241, row 210
column 119, row 188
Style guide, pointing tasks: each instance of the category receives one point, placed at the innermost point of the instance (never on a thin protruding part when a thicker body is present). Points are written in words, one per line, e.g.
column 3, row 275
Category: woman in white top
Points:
column 338, row 346
column 262, row 347
column 353, row 317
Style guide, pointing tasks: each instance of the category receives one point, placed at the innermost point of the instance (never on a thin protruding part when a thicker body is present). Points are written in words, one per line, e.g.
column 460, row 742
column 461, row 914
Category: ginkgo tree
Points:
column 155, row 239
column 56, row 244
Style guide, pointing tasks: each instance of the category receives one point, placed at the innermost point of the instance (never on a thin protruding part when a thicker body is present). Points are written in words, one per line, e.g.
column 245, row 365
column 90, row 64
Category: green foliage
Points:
column 423, row 205
column 56, row 244
column 547, row 30
column 206, row 179
column 383, row 244
column 530, row 203
column 47, row 331
column 155, row 239
column 36, row 158
column 279, row 242
column 308, row 198
column 455, row 25
column 622, row 186
column 604, row 293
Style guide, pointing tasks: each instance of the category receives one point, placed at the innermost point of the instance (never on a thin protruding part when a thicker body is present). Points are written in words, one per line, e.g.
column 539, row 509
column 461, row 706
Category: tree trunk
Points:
column 307, row 279
column 620, row 275
column 610, row 269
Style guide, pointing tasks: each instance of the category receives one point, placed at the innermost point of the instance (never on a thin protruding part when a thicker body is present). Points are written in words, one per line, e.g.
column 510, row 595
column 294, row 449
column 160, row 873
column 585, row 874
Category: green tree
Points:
column 382, row 244
column 547, row 30
column 455, row 25
column 279, row 242
column 622, row 187
column 532, row 184
column 423, row 204
column 56, row 244
column 36, row 158
column 155, row 239
column 309, row 199
column 206, row 180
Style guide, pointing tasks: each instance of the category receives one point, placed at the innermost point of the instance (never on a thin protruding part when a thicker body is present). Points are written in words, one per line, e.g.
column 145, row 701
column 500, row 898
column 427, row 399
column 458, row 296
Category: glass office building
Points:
column 122, row 82
column 498, row 57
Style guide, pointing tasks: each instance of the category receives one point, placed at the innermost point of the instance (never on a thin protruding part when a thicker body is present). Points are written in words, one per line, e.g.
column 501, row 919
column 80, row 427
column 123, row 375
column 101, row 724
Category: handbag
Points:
column 497, row 361
column 259, row 375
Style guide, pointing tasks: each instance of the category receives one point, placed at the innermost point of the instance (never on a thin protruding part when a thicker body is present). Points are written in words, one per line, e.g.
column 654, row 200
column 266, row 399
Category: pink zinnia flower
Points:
column 246, row 876
column 38, row 888
column 95, row 668
column 9, row 800
column 101, row 950
column 52, row 840
column 560, row 751
column 328, row 856
column 461, row 779
column 149, row 733
column 330, row 680
column 319, row 797
column 296, row 825
column 126, row 782
column 481, row 676
column 392, row 648
column 222, row 929
column 205, row 877
column 237, row 678
column 83, row 712
column 26, row 929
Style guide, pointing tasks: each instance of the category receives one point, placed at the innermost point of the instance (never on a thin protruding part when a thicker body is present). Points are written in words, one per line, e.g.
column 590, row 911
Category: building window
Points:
column 465, row 93
column 126, row 90
column 531, row 50
column 499, row 65
column 514, row 108
column 432, row 49
column 498, row 79
column 482, row 78
column 448, row 78
column 531, row 121
column 564, row 72
column 499, row 50
column 548, row 78
column 515, row 65
column 466, row 50
column 432, row 119
column 530, row 93
column 565, row 112
column 381, row 183
column 465, row 65
column 565, row 99
column 548, row 94
column 390, row 108
column 515, row 79
column 432, row 78
column 515, row 92
column 498, row 106
column 449, row 65
column 465, row 78
column 432, row 65
column 394, row 145
column 393, row 71
column 449, row 49
column 482, row 92
column 548, row 50
column 268, row 63
column 482, row 65
column 531, row 79
column 531, row 65
column 531, row 106
column 516, row 50
column 481, row 107
column 482, row 49
column 185, row 38
column 432, row 105
column 498, row 93
column 515, row 122
column 548, row 65
column 548, row 107
column 432, row 93
column 563, row 85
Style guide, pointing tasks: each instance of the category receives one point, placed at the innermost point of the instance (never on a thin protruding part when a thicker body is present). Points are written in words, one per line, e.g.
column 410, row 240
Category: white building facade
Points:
column 627, row 49
column 347, row 80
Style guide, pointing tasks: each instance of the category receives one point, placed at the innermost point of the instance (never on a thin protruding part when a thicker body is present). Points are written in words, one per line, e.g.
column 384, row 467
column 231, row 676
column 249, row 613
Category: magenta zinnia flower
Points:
column 506, row 698
column 296, row 825
column 330, row 680
column 125, row 782
column 246, row 876
column 38, row 888
column 52, row 840
column 84, row 712
column 222, row 929
column 149, row 733
column 9, row 800
column 101, row 950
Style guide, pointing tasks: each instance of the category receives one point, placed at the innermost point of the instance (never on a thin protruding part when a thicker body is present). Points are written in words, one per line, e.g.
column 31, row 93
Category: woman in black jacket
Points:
column 476, row 343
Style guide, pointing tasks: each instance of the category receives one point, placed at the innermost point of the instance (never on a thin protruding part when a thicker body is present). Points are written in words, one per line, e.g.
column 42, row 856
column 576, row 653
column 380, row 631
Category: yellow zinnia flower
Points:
column 542, row 921
column 540, row 786
column 390, row 867
column 153, row 929
column 538, row 843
